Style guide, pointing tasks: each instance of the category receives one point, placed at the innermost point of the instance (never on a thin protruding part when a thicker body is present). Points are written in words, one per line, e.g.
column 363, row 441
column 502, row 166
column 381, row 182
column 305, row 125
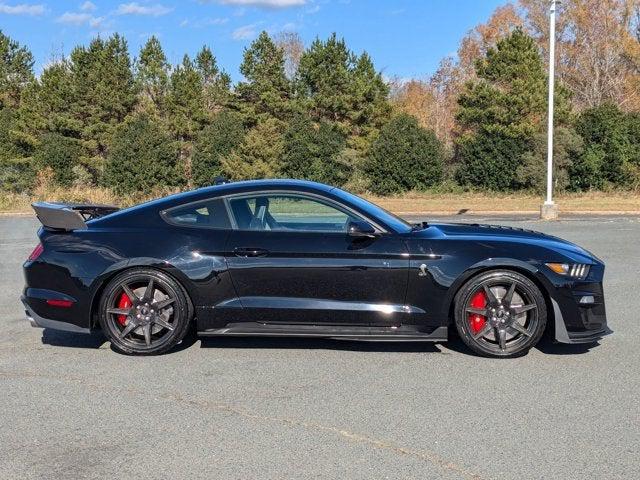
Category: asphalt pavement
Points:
column 71, row 408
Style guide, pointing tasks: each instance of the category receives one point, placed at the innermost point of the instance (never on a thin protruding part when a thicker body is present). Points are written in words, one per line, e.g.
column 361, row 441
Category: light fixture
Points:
column 587, row 299
column 573, row 270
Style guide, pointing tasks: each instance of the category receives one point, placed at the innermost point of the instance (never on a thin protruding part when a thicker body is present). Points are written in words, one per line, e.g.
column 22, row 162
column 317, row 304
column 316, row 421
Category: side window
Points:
column 210, row 213
column 281, row 212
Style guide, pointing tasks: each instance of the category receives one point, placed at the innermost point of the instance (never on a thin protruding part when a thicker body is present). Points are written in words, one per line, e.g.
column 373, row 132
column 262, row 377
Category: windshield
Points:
column 373, row 210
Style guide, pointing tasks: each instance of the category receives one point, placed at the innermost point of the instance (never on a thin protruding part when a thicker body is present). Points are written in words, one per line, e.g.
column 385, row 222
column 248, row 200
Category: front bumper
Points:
column 562, row 335
column 40, row 322
column 577, row 320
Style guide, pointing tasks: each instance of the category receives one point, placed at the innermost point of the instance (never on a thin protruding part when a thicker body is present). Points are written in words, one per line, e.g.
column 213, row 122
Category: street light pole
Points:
column 549, row 210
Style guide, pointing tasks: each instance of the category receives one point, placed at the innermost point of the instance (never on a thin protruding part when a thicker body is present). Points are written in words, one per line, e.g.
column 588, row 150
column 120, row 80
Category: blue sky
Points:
column 406, row 38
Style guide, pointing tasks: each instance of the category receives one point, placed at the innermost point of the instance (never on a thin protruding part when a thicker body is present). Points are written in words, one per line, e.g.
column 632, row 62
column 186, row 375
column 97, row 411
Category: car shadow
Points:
column 299, row 343
column 96, row 340
column 60, row 338
column 549, row 347
column 546, row 345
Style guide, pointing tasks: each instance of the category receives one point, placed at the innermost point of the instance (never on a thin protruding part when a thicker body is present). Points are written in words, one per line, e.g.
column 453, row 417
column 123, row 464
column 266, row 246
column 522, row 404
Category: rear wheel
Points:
column 500, row 313
column 144, row 312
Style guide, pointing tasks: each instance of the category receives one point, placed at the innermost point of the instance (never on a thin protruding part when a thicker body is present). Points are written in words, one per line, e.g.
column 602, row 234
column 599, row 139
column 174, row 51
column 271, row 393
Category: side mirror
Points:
column 360, row 229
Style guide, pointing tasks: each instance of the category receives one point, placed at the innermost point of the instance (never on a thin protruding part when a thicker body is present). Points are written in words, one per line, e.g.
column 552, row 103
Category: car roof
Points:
column 239, row 187
column 251, row 185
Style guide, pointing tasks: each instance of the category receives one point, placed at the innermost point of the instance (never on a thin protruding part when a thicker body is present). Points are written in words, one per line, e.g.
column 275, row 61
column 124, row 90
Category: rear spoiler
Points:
column 69, row 216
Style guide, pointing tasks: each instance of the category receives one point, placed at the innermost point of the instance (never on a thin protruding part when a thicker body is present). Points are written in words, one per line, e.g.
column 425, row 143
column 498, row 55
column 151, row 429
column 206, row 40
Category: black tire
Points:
column 156, row 318
column 511, row 320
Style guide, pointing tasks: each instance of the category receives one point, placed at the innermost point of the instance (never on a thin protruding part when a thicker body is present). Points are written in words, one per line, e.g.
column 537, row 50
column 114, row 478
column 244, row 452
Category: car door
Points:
column 292, row 261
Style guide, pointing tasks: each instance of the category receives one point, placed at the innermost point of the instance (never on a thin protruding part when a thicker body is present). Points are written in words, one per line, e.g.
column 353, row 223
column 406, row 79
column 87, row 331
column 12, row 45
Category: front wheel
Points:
column 500, row 313
column 144, row 312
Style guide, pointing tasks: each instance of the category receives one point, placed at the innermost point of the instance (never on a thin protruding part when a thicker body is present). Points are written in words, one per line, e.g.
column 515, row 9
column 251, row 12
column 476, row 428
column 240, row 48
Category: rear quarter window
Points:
column 205, row 214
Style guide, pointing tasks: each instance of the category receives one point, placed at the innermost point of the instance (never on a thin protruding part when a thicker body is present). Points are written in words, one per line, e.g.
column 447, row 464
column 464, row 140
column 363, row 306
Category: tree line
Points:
column 487, row 103
column 325, row 113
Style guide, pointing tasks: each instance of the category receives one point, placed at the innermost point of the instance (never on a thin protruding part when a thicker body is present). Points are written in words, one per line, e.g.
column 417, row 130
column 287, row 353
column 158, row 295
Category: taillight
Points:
column 36, row 252
column 55, row 302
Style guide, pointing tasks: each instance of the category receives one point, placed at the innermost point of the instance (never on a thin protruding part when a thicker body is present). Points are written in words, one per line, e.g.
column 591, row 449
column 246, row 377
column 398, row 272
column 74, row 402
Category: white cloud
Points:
column 88, row 7
column 204, row 22
column 75, row 18
column 215, row 21
column 22, row 9
column 245, row 33
column 134, row 8
column 95, row 22
column 265, row 3
column 289, row 27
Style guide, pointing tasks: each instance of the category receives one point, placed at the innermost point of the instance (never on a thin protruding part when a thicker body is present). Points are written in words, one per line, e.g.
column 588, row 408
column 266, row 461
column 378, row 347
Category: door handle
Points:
column 250, row 252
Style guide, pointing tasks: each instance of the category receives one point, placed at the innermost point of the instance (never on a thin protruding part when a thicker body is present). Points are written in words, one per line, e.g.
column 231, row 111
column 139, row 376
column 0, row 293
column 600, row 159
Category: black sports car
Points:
column 296, row 258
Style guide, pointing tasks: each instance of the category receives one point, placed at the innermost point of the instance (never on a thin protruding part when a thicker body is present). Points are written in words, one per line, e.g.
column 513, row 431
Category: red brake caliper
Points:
column 123, row 302
column 477, row 321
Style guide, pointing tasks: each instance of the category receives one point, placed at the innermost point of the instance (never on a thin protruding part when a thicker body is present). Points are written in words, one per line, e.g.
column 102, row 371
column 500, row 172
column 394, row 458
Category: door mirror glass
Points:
column 360, row 228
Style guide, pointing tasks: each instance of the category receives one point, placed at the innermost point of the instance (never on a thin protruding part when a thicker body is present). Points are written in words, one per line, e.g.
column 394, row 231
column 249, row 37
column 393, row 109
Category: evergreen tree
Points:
column 186, row 110
column 500, row 114
column 142, row 158
column 216, row 84
column 16, row 171
column 46, row 106
column 606, row 138
column 45, row 114
column 60, row 154
column 152, row 76
column 17, row 175
column 7, row 124
column 567, row 147
column 102, row 94
column 16, row 71
column 370, row 108
column 633, row 131
column 325, row 79
column 185, row 101
column 404, row 157
column 311, row 152
column 335, row 85
column 259, row 155
column 214, row 142
column 266, row 92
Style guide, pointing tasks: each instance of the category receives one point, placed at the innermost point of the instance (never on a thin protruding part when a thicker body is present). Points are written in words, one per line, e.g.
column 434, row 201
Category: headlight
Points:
column 573, row 270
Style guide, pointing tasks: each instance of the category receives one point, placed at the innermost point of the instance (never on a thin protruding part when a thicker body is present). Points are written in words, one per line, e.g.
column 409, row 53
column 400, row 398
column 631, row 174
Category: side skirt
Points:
column 369, row 334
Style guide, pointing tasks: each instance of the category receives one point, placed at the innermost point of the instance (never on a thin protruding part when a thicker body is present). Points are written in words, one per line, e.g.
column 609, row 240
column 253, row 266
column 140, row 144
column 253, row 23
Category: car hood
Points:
column 482, row 232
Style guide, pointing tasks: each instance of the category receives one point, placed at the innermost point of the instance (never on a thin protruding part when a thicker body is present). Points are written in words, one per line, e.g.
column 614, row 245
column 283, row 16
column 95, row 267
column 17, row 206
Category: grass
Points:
column 18, row 203
column 412, row 202
column 483, row 203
